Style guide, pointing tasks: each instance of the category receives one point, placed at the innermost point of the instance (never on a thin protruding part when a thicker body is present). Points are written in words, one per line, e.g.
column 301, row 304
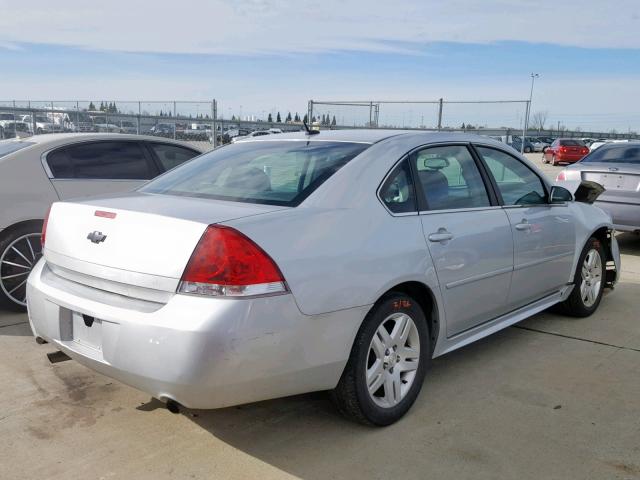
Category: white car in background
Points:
column 43, row 124
column 42, row 169
column 257, row 133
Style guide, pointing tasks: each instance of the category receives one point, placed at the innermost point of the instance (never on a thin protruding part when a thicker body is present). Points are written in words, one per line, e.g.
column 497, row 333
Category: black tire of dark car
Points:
column 351, row 395
column 574, row 305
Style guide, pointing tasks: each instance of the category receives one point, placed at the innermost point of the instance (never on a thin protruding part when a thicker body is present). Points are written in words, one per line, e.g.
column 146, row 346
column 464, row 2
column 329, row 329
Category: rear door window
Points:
column 102, row 160
column 617, row 154
column 170, row 156
column 449, row 178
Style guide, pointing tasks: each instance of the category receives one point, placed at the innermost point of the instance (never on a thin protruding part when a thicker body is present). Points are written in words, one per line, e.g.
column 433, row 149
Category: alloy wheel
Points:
column 392, row 361
column 16, row 262
column 591, row 278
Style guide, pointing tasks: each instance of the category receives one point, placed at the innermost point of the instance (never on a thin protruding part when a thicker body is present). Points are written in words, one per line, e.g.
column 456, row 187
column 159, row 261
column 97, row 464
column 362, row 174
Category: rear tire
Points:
column 20, row 249
column 589, row 281
column 385, row 371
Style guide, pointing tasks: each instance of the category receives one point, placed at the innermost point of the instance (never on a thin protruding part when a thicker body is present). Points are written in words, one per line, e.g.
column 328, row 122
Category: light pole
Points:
column 528, row 112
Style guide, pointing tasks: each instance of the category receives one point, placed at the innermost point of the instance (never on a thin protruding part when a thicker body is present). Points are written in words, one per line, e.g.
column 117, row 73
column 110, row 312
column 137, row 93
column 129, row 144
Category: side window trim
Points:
column 494, row 185
column 393, row 168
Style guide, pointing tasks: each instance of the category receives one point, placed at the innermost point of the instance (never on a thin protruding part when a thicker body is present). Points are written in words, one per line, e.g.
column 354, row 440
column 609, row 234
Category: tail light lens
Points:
column 561, row 177
column 43, row 237
column 585, row 150
column 227, row 263
column 563, row 149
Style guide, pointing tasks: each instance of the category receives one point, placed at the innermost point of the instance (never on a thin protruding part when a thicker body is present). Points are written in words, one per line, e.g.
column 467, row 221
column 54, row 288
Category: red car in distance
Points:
column 564, row 150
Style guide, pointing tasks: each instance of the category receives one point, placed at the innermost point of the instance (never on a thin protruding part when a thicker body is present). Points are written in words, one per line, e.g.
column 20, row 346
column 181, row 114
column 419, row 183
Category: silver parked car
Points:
column 616, row 166
column 39, row 170
column 343, row 261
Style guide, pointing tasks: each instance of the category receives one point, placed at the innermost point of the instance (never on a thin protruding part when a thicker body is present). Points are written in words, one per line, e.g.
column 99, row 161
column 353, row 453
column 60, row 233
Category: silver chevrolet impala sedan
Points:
column 342, row 261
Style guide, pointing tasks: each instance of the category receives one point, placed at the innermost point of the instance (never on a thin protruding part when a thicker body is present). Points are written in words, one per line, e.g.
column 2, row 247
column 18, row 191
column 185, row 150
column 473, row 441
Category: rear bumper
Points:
column 625, row 216
column 201, row 352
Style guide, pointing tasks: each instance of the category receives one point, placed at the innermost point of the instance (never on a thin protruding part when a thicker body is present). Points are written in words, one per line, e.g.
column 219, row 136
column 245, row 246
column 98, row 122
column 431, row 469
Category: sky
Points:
column 262, row 56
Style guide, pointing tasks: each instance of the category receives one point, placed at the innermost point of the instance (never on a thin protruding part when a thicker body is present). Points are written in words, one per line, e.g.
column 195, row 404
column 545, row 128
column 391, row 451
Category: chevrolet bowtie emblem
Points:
column 96, row 237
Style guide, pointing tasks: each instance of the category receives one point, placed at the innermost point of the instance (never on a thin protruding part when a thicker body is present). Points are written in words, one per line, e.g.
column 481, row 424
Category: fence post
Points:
column 440, row 114
column 370, row 114
column 214, row 130
column 524, row 127
column 138, row 122
column 310, row 112
column 175, row 125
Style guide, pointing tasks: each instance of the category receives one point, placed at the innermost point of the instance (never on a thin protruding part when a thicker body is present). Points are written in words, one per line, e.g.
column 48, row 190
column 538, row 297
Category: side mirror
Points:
column 559, row 195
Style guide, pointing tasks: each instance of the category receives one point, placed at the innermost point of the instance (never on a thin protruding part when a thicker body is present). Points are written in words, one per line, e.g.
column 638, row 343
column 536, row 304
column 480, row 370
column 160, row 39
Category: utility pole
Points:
column 526, row 119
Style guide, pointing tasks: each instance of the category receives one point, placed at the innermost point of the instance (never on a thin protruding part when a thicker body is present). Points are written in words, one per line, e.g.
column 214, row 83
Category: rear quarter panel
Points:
column 25, row 190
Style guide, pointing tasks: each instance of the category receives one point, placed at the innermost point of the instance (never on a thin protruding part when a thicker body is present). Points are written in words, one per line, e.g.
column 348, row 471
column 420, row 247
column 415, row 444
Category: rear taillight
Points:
column 561, row 177
column 585, row 150
column 44, row 228
column 227, row 263
column 563, row 149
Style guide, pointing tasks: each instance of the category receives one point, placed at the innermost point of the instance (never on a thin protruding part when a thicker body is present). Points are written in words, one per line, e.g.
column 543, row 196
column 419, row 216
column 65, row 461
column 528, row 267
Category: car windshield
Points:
column 571, row 143
column 274, row 173
column 42, row 119
column 10, row 146
column 614, row 154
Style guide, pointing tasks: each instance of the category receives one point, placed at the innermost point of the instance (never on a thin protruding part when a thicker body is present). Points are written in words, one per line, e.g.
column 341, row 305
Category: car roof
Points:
column 56, row 139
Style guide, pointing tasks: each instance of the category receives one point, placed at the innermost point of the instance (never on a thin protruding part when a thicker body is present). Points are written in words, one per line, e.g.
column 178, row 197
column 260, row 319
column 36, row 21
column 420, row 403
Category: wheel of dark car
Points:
column 589, row 281
column 527, row 149
column 387, row 364
column 20, row 250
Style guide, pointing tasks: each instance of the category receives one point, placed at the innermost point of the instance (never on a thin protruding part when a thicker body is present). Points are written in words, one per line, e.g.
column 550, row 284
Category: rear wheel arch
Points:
column 35, row 223
column 422, row 294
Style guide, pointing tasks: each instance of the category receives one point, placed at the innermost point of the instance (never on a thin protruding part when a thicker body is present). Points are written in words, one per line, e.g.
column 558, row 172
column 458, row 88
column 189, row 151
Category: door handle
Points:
column 440, row 236
column 523, row 226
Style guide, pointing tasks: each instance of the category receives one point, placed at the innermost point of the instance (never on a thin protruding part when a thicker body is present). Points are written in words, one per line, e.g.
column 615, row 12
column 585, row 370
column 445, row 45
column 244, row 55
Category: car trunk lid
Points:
column 621, row 182
column 141, row 240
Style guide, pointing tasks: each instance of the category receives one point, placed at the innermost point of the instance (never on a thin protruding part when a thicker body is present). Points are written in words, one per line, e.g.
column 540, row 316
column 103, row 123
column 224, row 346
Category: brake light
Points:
column 561, row 177
column 563, row 149
column 227, row 263
column 43, row 236
column 585, row 150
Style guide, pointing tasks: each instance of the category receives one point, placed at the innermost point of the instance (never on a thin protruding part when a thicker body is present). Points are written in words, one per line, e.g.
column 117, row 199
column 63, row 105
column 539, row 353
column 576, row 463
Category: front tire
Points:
column 388, row 362
column 589, row 281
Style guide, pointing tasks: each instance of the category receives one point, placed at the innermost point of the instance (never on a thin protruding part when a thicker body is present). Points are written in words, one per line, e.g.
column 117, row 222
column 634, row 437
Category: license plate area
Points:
column 612, row 181
column 86, row 330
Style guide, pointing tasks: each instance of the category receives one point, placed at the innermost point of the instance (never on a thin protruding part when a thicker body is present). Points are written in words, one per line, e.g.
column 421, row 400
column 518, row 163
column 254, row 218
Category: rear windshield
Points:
column 271, row 172
column 615, row 154
column 571, row 143
column 10, row 146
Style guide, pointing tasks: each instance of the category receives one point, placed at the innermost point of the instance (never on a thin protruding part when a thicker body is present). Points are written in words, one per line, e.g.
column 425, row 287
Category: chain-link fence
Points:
column 503, row 118
column 193, row 121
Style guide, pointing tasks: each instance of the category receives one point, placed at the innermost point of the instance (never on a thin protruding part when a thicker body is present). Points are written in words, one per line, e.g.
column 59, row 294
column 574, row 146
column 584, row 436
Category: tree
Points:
column 91, row 106
column 102, row 106
column 463, row 126
column 539, row 119
column 333, row 122
column 288, row 119
column 270, row 119
column 278, row 118
column 306, row 118
column 313, row 119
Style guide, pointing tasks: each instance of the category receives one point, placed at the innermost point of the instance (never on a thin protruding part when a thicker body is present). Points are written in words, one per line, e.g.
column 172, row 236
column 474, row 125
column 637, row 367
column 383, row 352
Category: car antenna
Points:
column 309, row 131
